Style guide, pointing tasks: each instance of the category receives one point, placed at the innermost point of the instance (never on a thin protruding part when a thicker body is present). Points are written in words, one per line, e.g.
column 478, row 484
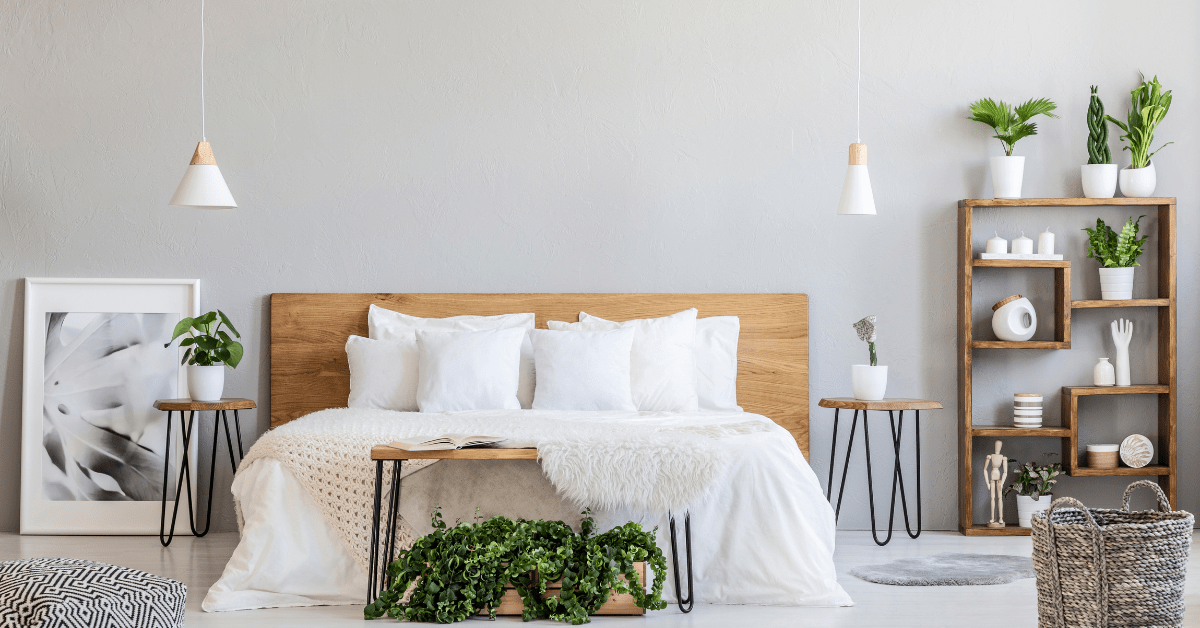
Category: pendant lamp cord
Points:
column 858, row 90
column 203, row 136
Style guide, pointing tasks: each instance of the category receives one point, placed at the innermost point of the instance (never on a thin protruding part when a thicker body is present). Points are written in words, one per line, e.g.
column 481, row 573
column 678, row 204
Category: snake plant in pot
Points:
column 1099, row 174
column 1010, row 124
column 1149, row 104
column 209, row 350
column 1117, row 254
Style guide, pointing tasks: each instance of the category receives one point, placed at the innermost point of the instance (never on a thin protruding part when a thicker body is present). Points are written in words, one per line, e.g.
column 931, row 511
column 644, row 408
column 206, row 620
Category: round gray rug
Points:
column 948, row 570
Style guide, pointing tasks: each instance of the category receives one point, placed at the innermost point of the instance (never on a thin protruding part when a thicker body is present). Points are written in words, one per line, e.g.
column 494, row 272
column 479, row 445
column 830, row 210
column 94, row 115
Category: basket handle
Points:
column 1097, row 559
column 1164, row 504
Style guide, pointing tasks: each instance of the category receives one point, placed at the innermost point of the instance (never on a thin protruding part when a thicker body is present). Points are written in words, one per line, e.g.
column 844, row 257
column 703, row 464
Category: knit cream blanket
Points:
column 651, row 461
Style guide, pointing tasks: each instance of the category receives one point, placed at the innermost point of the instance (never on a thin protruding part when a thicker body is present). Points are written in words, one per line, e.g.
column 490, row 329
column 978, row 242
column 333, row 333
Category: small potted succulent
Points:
column 869, row 381
column 1010, row 124
column 1033, row 482
column 1099, row 174
column 1148, row 106
column 209, row 350
column 1117, row 254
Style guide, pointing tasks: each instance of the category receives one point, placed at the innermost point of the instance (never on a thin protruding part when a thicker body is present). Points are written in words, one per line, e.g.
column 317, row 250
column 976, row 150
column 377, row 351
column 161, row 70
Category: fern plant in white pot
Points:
column 1117, row 254
column 210, row 350
column 1010, row 124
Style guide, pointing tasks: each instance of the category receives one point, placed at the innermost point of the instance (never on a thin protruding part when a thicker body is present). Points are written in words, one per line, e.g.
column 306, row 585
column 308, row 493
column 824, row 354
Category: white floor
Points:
column 198, row 563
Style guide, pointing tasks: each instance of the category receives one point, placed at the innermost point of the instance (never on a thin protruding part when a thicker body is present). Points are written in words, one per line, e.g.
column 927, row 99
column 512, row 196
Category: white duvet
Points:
column 762, row 531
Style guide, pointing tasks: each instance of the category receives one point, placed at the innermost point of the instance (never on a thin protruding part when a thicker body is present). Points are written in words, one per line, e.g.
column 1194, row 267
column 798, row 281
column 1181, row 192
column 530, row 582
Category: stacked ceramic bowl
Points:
column 1027, row 410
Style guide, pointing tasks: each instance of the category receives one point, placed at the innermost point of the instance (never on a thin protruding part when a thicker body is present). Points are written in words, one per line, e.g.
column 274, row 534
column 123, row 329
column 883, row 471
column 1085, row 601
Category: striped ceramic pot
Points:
column 1027, row 410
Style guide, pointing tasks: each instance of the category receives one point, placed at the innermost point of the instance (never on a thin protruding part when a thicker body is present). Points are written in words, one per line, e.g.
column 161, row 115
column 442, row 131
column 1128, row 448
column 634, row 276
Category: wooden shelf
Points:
column 1011, row 432
column 1088, row 472
column 1064, row 202
column 1086, row 305
column 983, row 530
column 1137, row 389
column 1021, row 263
column 1028, row 344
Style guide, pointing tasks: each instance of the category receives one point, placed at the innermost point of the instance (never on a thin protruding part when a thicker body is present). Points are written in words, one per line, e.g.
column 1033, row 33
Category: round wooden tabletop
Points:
column 227, row 403
column 850, row 403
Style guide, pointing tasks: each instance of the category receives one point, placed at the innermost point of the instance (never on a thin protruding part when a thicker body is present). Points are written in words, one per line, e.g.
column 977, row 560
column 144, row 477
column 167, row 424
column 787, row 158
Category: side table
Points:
column 186, row 423
column 891, row 406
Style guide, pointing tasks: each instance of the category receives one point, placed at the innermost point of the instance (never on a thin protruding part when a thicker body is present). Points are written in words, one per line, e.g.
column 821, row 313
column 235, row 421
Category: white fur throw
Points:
column 662, row 462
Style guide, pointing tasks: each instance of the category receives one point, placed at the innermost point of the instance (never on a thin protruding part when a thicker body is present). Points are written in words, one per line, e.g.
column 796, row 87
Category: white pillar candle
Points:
column 997, row 245
column 1022, row 245
column 1046, row 242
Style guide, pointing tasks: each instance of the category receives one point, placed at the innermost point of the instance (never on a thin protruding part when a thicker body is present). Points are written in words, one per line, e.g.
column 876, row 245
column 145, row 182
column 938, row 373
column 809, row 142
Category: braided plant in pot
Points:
column 1099, row 174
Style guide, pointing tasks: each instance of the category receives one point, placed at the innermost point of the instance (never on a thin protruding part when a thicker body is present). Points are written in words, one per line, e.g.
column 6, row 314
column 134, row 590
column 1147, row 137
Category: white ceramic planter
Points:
column 1026, row 506
column 869, row 382
column 1139, row 182
column 206, row 383
column 1014, row 321
column 1007, row 173
column 1099, row 180
column 1104, row 374
column 1116, row 283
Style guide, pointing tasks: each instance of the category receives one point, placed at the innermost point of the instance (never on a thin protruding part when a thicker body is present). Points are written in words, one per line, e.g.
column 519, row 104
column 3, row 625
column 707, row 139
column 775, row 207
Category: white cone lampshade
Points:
column 856, row 190
column 202, row 185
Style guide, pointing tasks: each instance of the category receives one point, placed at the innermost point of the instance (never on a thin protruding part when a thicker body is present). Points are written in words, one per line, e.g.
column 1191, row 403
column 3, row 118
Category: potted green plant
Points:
column 869, row 381
column 1149, row 104
column 1099, row 174
column 1117, row 254
column 209, row 350
column 1033, row 482
column 1010, row 124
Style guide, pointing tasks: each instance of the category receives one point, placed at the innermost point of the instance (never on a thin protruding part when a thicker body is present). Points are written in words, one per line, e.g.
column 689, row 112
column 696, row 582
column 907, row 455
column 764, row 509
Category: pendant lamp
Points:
column 856, row 190
column 203, row 186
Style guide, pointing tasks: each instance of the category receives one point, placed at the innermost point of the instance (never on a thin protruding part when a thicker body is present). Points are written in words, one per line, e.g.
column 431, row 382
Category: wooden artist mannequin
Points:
column 995, row 472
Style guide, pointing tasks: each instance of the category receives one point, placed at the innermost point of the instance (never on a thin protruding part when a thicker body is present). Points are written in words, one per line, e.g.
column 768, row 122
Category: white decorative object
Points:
column 1102, row 456
column 1139, row 182
column 1022, row 245
column 1136, row 451
column 1103, row 374
column 1013, row 319
column 997, row 245
column 1007, row 172
column 206, row 383
column 93, row 449
column 583, row 370
column 857, row 198
column 868, row 382
column 1099, row 180
column 1028, row 506
column 1027, row 410
column 1028, row 256
column 1122, row 333
column 1116, row 284
column 1046, row 242
column 995, row 472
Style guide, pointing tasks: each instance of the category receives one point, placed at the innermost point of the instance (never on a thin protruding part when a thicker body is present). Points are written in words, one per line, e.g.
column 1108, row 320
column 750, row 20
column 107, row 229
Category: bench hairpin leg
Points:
column 685, row 605
column 372, row 566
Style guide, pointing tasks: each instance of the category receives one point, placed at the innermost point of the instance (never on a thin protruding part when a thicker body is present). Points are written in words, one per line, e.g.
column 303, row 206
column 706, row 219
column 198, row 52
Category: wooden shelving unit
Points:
column 1166, row 387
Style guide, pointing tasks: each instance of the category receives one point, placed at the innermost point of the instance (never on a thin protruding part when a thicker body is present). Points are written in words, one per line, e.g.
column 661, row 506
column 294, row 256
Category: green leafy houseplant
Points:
column 454, row 572
column 1115, row 250
column 207, row 343
column 1149, row 105
column 1034, row 480
column 1097, row 142
column 1011, row 124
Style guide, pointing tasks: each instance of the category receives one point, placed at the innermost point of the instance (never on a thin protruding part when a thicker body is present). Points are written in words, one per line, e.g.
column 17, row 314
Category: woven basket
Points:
column 1100, row 568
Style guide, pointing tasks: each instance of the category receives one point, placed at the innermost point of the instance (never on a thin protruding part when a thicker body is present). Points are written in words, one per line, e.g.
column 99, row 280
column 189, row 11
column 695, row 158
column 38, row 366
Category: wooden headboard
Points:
column 309, row 371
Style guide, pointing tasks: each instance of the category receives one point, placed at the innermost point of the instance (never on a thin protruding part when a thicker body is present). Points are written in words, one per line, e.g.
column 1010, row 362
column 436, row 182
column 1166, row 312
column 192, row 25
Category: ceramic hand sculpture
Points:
column 995, row 472
column 1122, row 333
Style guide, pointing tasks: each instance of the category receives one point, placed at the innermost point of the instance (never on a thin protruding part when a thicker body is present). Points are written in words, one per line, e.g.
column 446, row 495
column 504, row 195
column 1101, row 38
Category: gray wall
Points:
column 520, row 146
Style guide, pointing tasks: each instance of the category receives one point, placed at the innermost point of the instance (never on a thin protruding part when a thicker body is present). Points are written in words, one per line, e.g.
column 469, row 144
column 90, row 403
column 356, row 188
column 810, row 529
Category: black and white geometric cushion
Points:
column 70, row 593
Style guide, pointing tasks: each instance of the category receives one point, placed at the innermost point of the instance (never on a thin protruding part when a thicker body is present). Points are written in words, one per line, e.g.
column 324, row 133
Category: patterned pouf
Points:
column 70, row 593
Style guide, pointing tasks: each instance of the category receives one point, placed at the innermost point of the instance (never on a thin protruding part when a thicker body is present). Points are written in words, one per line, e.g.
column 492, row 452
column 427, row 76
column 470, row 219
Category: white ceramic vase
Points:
column 1116, row 284
column 1138, row 182
column 868, row 382
column 1099, row 180
column 1007, row 173
column 1104, row 374
column 1015, row 321
column 1026, row 506
column 206, row 383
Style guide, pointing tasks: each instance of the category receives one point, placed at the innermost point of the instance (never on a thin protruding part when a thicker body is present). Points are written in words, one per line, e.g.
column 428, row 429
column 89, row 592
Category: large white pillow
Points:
column 385, row 324
column 662, row 362
column 469, row 370
column 383, row 373
column 583, row 370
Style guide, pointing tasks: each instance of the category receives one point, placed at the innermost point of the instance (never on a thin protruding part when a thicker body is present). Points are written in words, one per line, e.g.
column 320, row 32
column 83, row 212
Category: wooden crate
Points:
column 622, row 604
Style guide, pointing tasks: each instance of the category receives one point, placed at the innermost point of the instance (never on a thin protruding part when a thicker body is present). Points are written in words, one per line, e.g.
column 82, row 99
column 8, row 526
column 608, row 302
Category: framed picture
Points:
column 94, row 449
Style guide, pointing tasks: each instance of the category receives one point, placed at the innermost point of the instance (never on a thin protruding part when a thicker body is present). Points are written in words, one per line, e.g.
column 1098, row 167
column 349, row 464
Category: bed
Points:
column 763, row 534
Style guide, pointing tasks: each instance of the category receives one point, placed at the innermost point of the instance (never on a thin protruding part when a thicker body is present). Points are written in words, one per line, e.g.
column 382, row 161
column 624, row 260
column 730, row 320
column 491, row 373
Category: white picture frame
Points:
column 106, row 335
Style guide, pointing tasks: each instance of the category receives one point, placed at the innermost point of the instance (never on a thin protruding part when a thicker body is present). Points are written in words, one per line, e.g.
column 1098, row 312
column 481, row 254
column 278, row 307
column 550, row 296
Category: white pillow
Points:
column 662, row 363
column 383, row 373
column 583, row 370
column 385, row 324
column 469, row 370
column 716, row 362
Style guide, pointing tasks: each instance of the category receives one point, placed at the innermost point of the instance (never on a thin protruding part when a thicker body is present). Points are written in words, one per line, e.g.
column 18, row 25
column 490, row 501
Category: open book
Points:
column 445, row 441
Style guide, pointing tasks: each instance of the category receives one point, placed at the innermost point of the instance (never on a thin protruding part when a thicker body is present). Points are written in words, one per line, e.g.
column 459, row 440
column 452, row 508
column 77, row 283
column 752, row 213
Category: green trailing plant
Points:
column 1115, row 250
column 1034, row 480
column 207, row 343
column 866, row 333
column 1097, row 142
column 1148, row 106
column 1011, row 123
column 454, row 572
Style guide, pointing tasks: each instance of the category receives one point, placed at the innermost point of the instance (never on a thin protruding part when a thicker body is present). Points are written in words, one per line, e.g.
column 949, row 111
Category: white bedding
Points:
column 763, row 532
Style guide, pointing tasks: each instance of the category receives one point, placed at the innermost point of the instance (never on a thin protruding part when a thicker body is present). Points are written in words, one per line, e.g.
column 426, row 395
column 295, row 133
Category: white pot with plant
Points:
column 209, row 350
column 1117, row 254
column 1010, row 124
column 1099, row 174
column 1148, row 106
column 869, row 381
column 1032, row 485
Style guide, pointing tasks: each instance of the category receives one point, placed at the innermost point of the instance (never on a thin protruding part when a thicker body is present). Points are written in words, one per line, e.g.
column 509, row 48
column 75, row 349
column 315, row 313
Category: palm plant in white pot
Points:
column 1148, row 106
column 1033, row 483
column 1117, row 254
column 1010, row 124
column 869, row 381
column 1099, row 174
column 210, row 350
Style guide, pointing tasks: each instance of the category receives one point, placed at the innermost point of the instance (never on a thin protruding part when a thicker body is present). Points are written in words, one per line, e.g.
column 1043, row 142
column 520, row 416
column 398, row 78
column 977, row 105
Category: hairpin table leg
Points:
column 372, row 566
column 897, row 435
column 832, row 455
column 837, row 513
column 184, row 480
column 393, row 514
column 685, row 605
